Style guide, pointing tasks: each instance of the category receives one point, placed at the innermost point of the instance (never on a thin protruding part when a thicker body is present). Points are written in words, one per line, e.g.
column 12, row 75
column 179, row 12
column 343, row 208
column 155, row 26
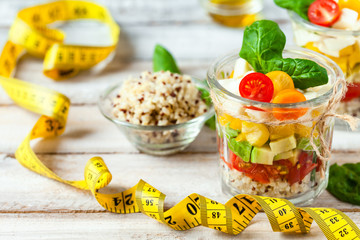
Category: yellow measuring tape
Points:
column 30, row 33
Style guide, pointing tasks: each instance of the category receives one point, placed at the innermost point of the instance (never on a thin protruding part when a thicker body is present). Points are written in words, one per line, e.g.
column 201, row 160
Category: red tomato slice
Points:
column 353, row 91
column 254, row 108
column 257, row 172
column 302, row 168
column 324, row 12
column 257, row 86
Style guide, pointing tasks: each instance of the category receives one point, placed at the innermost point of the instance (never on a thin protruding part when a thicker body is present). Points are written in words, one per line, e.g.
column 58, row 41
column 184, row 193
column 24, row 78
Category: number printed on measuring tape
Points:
column 29, row 33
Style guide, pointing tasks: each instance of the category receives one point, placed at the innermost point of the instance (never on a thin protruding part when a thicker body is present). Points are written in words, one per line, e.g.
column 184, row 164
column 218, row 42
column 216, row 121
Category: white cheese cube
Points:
column 231, row 84
column 347, row 20
column 332, row 46
column 241, row 68
column 302, row 37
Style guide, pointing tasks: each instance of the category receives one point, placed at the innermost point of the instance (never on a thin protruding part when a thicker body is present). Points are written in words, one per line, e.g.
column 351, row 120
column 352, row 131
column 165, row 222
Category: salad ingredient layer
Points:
column 160, row 98
column 274, row 188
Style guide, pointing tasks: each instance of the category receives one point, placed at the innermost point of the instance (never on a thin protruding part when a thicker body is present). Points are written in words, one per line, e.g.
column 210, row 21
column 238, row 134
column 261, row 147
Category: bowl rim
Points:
column 200, row 119
column 216, row 86
column 326, row 30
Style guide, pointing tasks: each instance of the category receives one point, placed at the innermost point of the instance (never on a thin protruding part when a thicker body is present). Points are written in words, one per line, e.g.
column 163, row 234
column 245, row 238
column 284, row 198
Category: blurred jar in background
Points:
column 234, row 13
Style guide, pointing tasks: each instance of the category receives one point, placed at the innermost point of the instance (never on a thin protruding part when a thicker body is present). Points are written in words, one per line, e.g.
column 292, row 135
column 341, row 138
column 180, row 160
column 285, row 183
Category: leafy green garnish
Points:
column 231, row 133
column 205, row 95
column 262, row 48
column 263, row 41
column 163, row 60
column 304, row 144
column 211, row 123
column 344, row 182
column 241, row 149
column 299, row 6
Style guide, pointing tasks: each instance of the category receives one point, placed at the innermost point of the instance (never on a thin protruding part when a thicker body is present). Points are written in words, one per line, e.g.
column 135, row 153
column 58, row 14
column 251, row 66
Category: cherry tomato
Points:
column 353, row 91
column 304, row 166
column 289, row 96
column 324, row 12
column 257, row 86
column 281, row 81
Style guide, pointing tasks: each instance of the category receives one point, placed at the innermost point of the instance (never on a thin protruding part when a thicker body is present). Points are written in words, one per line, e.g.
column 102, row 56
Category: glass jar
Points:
column 267, row 159
column 233, row 13
column 343, row 47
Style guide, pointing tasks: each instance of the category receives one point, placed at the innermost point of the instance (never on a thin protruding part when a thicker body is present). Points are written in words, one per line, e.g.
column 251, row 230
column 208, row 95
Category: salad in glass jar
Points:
column 268, row 102
column 331, row 28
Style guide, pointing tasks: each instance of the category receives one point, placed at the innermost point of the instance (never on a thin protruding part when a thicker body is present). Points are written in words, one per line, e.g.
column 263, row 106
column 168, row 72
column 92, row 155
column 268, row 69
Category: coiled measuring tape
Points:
column 30, row 33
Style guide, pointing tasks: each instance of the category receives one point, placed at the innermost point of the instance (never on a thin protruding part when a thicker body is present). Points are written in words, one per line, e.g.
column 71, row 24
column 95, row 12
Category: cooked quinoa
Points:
column 160, row 98
column 279, row 188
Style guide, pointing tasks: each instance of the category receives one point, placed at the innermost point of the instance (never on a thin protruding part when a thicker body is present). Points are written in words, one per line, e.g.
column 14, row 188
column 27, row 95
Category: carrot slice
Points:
column 289, row 96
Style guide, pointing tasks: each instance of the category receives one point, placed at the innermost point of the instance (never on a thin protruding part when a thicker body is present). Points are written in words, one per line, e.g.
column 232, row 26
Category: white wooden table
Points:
column 34, row 207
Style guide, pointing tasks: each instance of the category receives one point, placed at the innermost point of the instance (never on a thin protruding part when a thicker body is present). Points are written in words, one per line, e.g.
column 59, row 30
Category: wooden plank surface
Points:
column 177, row 176
column 33, row 207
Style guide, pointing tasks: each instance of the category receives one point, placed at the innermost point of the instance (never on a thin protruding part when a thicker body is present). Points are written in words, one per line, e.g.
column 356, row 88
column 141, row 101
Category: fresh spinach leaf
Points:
column 241, row 149
column 344, row 182
column 262, row 48
column 299, row 6
column 163, row 60
column 305, row 73
column 263, row 41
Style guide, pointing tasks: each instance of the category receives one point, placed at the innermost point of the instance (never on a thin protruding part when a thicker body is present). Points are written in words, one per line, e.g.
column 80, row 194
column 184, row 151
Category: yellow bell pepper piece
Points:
column 225, row 119
column 236, row 124
column 256, row 134
column 278, row 132
column 241, row 137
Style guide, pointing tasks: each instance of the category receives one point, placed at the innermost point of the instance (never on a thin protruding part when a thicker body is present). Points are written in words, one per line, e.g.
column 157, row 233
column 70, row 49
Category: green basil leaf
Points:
column 262, row 48
column 263, row 41
column 344, row 182
column 305, row 73
column 231, row 133
column 205, row 95
column 299, row 6
column 163, row 60
column 211, row 123
column 241, row 149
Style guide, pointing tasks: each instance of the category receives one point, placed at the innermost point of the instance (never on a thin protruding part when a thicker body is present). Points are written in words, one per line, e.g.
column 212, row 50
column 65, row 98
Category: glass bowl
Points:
column 233, row 13
column 155, row 140
column 325, row 40
column 284, row 164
